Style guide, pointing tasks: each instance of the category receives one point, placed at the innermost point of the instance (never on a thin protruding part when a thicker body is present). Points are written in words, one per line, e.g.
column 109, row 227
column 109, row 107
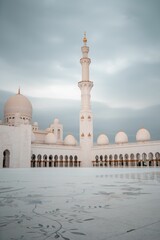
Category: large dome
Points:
column 102, row 140
column 70, row 140
column 18, row 104
column 121, row 137
column 143, row 135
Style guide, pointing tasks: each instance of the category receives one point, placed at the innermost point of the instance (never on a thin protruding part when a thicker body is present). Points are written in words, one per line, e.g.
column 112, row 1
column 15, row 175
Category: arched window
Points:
column 138, row 156
column 97, row 158
column 71, row 161
column 45, row 157
column 75, row 161
column 39, row 157
column 101, row 158
column 61, row 160
column 150, row 156
column 6, row 158
column 66, row 161
column 157, row 155
column 50, row 157
column 132, row 156
column 115, row 157
column 105, row 157
column 33, row 157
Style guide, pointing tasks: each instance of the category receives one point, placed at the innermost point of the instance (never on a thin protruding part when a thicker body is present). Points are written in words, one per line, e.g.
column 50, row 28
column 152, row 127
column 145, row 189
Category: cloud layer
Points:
column 40, row 45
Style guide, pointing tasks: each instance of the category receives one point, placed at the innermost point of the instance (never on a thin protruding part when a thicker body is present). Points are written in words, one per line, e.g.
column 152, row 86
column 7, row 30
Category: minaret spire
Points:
column 85, row 39
column 86, row 118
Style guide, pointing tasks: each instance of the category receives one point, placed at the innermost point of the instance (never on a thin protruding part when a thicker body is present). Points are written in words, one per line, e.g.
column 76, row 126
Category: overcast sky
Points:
column 40, row 43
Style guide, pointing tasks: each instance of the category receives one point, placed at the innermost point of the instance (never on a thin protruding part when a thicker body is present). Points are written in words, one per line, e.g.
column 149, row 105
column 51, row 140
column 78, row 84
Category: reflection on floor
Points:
column 75, row 204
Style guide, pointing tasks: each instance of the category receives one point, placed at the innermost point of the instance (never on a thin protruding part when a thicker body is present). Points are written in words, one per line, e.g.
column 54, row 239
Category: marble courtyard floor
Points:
column 80, row 204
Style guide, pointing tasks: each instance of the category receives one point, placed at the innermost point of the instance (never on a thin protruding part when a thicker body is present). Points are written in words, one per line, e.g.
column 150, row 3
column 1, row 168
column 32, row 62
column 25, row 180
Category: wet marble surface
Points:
column 75, row 204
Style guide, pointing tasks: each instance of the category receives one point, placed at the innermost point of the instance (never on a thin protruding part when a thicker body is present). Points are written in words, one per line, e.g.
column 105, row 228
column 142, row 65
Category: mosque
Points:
column 24, row 145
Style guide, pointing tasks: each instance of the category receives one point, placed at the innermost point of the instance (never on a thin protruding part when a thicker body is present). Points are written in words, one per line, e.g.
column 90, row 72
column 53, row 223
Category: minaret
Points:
column 86, row 118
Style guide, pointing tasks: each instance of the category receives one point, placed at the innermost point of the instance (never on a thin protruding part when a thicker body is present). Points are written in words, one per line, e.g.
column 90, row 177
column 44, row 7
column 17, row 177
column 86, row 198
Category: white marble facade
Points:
column 23, row 144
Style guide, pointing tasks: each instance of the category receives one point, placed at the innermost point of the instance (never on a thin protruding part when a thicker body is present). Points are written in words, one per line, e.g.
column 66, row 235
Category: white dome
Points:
column 50, row 138
column 143, row 135
column 70, row 140
column 102, row 140
column 35, row 124
column 18, row 104
column 121, row 137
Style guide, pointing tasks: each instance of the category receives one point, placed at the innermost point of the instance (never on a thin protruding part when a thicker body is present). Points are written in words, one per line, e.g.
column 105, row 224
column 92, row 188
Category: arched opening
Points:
column 138, row 159
column 132, row 159
column 39, row 158
column 157, row 156
column 66, row 161
column 61, row 161
column 6, row 158
column 121, row 160
column 71, row 161
column 150, row 157
column 45, row 160
column 101, row 160
column 50, row 160
column 55, row 161
column 33, row 160
column 97, row 160
column 110, row 160
column 115, row 160
column 144, row 159
column 105, row 159
column 75, row 161
column 126, row 157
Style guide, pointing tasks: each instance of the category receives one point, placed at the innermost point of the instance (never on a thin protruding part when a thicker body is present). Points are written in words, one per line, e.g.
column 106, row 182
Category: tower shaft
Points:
column 86, row 118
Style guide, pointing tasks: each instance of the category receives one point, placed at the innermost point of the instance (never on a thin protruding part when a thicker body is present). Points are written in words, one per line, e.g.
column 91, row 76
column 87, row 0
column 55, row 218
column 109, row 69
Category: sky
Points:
column 40, row 49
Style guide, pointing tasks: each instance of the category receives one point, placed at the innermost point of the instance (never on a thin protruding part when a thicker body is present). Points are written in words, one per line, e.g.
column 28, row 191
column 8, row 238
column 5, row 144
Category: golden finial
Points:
column 85, row 39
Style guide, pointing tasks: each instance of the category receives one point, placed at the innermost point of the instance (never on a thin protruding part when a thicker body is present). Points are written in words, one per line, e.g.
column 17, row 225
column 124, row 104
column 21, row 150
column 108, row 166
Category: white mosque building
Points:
column 24, row 145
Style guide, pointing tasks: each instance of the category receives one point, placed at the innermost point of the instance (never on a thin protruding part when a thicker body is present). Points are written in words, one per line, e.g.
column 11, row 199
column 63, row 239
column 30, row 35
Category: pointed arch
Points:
column 6, row 158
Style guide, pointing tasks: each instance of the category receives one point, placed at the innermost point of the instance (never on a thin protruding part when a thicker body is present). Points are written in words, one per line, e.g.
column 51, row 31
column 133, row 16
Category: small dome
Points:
column 56, row 121
column 50, row 138
column 70, row 140
column 121, row 137
column 35, row 124
column 33, row 137
column 143, row 135
column 18, row 104
column 102, row 140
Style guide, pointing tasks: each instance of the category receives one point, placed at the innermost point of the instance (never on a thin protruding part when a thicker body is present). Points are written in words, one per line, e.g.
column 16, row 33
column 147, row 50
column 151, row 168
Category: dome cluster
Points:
column 121, row 137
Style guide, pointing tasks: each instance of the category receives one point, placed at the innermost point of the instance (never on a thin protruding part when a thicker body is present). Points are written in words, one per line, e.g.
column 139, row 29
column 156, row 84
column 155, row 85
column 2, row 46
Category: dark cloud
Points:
column 40, row 46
